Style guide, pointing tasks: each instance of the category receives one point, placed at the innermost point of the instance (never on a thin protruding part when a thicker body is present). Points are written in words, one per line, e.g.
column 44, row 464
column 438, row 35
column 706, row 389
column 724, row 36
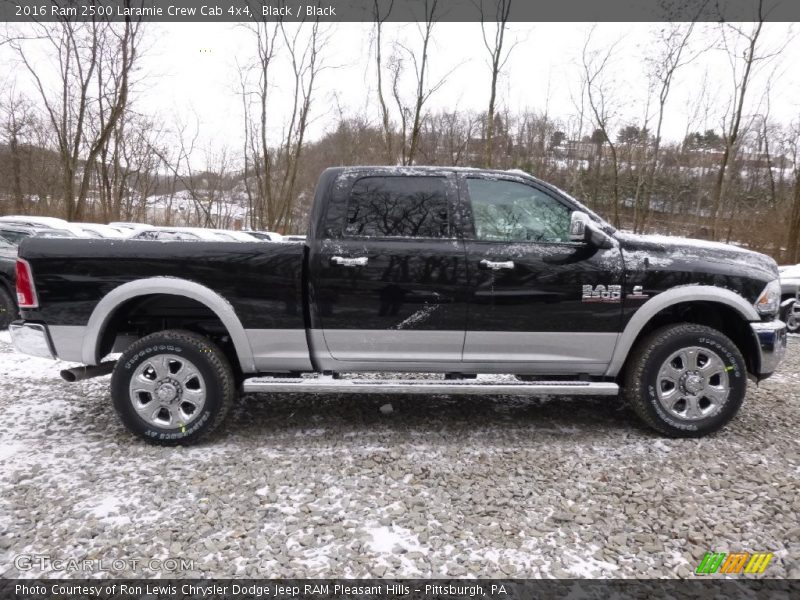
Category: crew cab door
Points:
column 527, row 281
column 388, row 276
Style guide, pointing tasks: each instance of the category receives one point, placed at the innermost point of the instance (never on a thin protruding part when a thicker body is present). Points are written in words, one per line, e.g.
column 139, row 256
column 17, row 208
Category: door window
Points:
column 398, row 207
column 507, row 211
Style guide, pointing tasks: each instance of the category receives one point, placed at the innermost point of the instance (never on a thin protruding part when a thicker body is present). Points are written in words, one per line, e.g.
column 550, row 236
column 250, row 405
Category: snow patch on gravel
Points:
column 392, row 540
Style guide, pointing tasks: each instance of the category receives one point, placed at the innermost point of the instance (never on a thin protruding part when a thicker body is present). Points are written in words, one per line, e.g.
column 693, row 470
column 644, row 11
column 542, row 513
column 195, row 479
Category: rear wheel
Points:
column 172, row 387
column 686, row 380
column 8, row 309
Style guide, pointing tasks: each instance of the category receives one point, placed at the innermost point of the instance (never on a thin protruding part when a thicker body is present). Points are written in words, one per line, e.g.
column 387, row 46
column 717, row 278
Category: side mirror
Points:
column 579, row 229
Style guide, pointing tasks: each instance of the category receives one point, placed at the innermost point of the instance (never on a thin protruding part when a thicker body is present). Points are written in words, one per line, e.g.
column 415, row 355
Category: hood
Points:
column 656, row 252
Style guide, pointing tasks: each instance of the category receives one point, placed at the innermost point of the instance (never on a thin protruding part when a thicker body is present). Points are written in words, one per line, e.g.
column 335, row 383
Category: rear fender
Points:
column 111, row 302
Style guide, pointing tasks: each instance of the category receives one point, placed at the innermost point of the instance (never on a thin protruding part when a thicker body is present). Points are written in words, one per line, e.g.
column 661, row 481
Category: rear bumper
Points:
column 32, row 338
column 771, row 338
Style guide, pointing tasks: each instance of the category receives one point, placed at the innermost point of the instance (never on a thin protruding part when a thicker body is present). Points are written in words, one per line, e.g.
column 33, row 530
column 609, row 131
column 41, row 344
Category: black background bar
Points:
column 403, row 10
column 401, row 589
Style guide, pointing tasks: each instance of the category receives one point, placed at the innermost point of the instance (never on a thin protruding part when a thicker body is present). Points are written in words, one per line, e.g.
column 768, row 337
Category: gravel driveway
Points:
column 304, row 486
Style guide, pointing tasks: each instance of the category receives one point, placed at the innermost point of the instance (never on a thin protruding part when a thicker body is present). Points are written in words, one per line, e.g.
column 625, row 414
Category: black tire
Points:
column 191, row 355
column 791, row 320
column 8, row 308
column 642, row 380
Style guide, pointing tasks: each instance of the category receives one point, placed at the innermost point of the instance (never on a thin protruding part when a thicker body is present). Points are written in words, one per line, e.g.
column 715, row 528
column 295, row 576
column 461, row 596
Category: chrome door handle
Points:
column 361, row 261
column 497, row 265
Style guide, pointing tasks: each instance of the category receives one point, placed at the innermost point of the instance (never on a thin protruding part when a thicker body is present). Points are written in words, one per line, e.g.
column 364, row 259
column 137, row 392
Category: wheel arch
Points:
column 707, row 305
column 121, row 296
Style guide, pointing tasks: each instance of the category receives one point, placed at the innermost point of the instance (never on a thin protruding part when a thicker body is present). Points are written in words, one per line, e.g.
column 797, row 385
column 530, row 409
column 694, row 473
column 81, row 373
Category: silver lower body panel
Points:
column 32, row 339
column 483, row 386
column 771, row 338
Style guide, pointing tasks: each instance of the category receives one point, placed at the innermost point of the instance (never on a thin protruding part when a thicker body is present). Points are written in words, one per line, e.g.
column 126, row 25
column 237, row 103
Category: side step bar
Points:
column 325, row 384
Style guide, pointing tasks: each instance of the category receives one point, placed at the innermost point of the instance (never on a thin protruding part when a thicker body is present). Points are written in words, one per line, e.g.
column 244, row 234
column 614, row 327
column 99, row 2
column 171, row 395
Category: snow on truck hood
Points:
column 671, row 251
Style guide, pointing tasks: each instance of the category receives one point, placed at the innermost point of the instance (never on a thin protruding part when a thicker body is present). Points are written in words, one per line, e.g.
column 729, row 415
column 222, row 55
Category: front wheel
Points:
column 686, row 380
column 172, row 387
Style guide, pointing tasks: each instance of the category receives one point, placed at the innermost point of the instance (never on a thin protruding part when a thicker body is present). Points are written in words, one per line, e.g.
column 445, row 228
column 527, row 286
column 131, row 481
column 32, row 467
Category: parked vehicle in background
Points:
column 162, row 234
column 459, row 273
column 139, row 231
column 790, row 297
column 236, row 236
column 209, row 235
column 8, row 263
column 99, row 230
column 128, row 225
column 266, row 236
column 14, row 234
column 44, row 222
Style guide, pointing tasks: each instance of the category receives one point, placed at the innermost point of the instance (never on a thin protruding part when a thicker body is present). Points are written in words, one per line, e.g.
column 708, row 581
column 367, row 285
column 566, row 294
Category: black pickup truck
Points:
column 494, row 282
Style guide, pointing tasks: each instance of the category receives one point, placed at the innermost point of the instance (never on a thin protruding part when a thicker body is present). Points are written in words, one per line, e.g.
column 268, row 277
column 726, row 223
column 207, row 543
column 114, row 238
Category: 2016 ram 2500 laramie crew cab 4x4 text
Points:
column 456, row 272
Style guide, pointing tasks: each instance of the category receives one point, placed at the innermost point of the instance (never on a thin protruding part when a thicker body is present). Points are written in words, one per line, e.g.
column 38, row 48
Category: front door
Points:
column 389, row 278
column 529, row 309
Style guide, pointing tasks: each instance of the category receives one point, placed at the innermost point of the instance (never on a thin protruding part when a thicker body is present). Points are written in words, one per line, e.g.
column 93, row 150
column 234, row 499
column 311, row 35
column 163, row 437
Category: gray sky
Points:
column 189, row 68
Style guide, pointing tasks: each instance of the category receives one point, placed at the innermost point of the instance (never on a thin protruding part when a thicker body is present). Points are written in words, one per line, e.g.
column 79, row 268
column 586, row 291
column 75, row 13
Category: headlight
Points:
column 770, row 298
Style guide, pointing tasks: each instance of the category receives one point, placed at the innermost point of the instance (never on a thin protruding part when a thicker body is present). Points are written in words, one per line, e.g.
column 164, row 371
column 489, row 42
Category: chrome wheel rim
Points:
column 168, row 391
column 792, row 322
column 693, row 383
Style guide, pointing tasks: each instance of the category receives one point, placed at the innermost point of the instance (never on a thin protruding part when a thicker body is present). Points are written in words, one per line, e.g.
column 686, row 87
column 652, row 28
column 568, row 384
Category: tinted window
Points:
column 398, row 207
column 14, row 237
column 507, row 211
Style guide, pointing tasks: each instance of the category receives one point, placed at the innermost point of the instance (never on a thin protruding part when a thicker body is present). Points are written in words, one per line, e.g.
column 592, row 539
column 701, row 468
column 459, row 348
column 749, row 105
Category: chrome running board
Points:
column 484, row 385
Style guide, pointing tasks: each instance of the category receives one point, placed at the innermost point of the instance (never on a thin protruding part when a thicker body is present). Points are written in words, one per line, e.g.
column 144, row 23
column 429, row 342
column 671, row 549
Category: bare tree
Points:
column 94, row 61
column 742, row 71
column 599, row 94
column 497, row 60
column 18, row 118
column 793, row 225
column 670, row 57
column 385, row 121
column 412, row 114
column 275, row 166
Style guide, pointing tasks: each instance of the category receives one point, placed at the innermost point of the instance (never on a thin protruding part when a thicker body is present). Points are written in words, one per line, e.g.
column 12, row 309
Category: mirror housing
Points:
column 582, row 230
column 578, row 227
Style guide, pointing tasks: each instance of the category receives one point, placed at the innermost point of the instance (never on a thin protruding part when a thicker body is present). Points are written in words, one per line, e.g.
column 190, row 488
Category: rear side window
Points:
column 507, row 211
column 398, row 207
column 14, row 237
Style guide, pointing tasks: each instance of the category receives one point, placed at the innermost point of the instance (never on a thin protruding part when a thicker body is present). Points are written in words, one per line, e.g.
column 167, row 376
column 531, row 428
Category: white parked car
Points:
column 237, row 236
column 790, row 297
column 266, row 236
column 100, row 230
column 44, row 222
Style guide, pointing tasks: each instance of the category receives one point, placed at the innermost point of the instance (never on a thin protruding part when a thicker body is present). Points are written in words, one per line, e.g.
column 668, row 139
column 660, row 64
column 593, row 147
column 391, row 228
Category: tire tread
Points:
column 218, row 363
column 634, row 379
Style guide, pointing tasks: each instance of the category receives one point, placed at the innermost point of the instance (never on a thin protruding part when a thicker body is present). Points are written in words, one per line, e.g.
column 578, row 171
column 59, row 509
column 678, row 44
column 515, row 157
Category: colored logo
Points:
column 733, row 563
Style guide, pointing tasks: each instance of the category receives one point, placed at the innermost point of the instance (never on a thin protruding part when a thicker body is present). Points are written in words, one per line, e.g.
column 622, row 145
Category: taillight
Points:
column 26, row 292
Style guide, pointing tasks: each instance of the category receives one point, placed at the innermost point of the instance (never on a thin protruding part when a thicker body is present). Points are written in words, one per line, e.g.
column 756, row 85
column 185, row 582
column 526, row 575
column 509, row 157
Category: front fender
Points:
column 677, row 295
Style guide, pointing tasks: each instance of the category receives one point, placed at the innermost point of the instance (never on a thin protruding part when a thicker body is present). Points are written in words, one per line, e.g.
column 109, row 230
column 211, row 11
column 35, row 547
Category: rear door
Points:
column 528, row 307
column 388, row 279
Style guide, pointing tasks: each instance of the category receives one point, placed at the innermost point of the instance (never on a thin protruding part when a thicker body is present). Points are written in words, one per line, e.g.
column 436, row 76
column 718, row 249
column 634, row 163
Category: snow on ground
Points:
column 330, row 485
